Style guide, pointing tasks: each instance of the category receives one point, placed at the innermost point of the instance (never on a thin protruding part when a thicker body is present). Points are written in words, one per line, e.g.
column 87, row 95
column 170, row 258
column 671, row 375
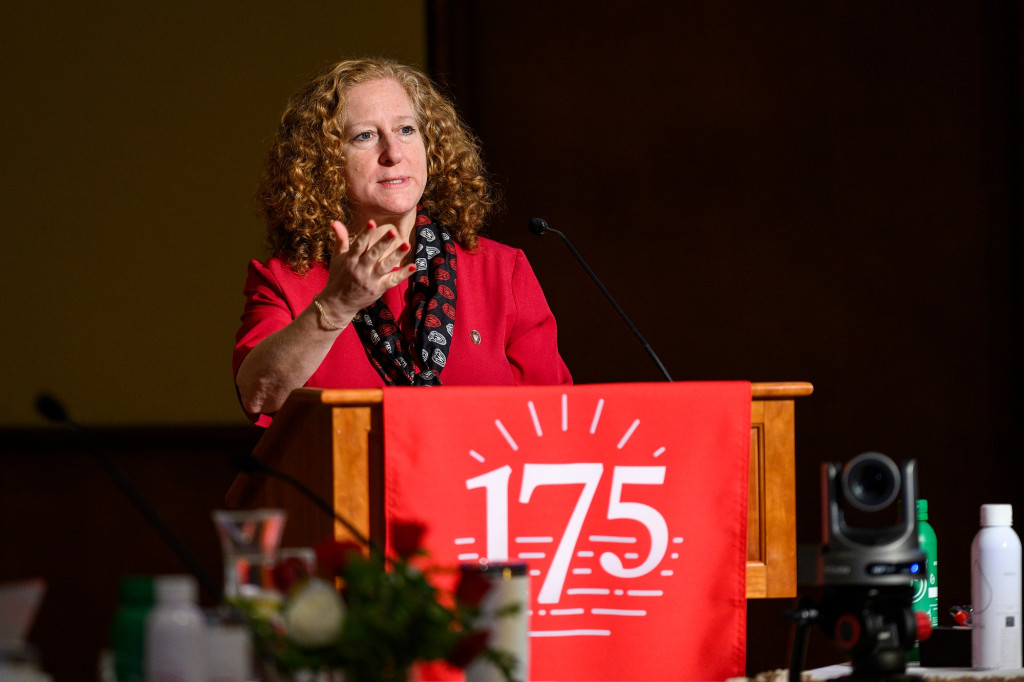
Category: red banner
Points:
column 627, row 501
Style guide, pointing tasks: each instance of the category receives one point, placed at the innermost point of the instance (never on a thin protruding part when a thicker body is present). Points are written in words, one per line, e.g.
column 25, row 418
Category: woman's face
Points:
column 386, row 159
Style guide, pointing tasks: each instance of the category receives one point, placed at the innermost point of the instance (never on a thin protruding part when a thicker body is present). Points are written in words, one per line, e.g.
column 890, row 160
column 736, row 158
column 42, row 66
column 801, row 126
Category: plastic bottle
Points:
column 996, row 590
column 175, row 632
column 128, row 631
column 926, row 592
column 229, row 650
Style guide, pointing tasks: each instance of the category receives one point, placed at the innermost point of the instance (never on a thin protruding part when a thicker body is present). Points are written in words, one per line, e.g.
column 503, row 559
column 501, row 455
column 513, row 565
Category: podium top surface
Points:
column 769, row 390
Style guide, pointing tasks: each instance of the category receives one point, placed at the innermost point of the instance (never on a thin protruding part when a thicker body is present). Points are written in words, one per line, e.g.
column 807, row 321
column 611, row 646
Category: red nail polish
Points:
column 412, row 268
column 392, row 234
column 404, row 247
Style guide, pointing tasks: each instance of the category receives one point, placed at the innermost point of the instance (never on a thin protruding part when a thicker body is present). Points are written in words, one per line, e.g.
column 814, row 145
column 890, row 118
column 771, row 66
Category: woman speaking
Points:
column 374, row 196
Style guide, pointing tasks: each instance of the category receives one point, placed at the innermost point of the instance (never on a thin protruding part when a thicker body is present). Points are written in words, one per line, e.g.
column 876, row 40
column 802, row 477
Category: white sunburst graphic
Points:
column 582, row 576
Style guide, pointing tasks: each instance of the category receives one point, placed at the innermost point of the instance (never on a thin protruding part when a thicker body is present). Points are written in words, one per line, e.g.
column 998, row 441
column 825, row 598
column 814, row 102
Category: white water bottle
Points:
column 175, row 632
column 996, row 591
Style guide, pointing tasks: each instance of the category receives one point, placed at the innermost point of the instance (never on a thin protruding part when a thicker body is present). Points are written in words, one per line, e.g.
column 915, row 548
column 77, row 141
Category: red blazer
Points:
column 504, row 331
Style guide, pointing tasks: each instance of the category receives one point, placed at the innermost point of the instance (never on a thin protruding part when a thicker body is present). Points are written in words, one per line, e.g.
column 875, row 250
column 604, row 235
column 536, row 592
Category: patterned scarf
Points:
column 418, row 359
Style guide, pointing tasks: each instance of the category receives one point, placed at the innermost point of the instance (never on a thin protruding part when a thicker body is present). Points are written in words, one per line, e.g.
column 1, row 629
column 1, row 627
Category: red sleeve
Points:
column 532, row 347
column 268, row 308
column 266, row 311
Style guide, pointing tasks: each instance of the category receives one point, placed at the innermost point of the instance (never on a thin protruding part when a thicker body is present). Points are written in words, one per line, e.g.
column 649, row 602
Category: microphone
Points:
column 539, row 226
column 248, row 464
column 52, row 409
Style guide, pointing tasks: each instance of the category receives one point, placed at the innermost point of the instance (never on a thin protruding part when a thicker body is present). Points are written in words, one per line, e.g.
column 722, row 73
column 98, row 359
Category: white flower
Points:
column 313, row 616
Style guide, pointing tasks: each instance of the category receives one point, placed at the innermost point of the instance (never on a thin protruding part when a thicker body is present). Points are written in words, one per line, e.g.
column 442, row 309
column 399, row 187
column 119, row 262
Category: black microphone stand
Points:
column 50, row 408
column 539, row 226
column 249, row 464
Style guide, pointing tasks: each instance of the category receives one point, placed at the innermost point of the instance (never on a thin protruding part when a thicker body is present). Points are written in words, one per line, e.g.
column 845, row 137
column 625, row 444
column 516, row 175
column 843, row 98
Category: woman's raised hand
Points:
column 360, row 274
column 362, row 271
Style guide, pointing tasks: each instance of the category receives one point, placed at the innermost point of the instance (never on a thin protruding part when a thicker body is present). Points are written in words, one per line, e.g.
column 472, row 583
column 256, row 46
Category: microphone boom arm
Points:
column 250, row 464
column 539, row 226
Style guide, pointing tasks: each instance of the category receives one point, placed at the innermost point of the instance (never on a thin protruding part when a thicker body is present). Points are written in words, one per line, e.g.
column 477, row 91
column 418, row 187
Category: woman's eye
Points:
column 363, row 137
column 407, row 130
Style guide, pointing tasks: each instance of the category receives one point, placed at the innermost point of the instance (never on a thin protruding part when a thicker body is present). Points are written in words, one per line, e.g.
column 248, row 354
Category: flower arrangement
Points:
column 368, row 616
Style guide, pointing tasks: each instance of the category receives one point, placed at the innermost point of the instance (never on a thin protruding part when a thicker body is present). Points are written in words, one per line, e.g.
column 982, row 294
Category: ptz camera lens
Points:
column 871, row 481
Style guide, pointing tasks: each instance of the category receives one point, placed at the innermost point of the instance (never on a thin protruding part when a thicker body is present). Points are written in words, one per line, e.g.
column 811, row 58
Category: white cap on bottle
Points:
column 996, row 515
column 176, row 588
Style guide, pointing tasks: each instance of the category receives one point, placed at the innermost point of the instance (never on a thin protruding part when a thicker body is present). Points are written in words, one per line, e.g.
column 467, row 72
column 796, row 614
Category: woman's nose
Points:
column 392, row 152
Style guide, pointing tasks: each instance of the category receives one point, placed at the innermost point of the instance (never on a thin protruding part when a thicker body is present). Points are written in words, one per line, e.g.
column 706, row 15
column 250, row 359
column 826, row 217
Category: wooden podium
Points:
column 332, row 440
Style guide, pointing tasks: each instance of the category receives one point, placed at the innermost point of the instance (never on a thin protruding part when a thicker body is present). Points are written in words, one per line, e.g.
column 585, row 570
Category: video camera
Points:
column 867, row 568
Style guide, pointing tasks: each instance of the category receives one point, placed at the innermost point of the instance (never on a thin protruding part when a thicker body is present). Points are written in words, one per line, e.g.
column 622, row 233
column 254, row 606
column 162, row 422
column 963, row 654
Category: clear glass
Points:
column 249, row 541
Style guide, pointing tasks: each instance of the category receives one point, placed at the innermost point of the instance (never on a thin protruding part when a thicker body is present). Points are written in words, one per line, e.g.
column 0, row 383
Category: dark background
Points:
column 824, row 192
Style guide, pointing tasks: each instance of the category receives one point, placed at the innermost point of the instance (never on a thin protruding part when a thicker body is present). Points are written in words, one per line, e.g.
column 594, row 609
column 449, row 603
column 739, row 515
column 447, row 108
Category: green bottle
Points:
column 128, row 631
column 926, row 592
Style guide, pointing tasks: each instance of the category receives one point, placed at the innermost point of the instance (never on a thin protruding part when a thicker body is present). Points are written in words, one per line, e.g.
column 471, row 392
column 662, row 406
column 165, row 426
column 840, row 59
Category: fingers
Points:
column 368, row 265
column 384, row 253
column 398, row 274
column 379, row 248
column 370, row 236
column 393, row 256
column 361, row 242
column 341, row 236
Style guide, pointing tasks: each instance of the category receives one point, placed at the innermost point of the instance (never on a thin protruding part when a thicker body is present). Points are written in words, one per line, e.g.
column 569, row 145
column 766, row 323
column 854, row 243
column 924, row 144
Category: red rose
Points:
column 442, row 275
column 432, row 321
column 467, row 648
column 406, row 537
column 288, row 572
column 449, row 310
column 445, row 291
column 473, row 586
column 332, row 556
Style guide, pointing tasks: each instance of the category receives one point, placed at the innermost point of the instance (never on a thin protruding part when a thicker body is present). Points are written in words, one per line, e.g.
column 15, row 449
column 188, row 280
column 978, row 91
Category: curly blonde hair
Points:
column 302, row 188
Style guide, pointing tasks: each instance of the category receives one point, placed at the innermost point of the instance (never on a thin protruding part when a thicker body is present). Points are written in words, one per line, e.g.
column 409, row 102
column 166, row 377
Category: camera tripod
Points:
column 873, row 626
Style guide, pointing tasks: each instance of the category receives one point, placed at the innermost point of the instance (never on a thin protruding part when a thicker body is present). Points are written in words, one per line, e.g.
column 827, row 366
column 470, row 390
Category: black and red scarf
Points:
column 416, row 359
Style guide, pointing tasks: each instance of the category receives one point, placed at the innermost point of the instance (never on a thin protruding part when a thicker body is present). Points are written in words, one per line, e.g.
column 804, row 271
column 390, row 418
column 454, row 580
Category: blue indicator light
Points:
column 915, row 567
